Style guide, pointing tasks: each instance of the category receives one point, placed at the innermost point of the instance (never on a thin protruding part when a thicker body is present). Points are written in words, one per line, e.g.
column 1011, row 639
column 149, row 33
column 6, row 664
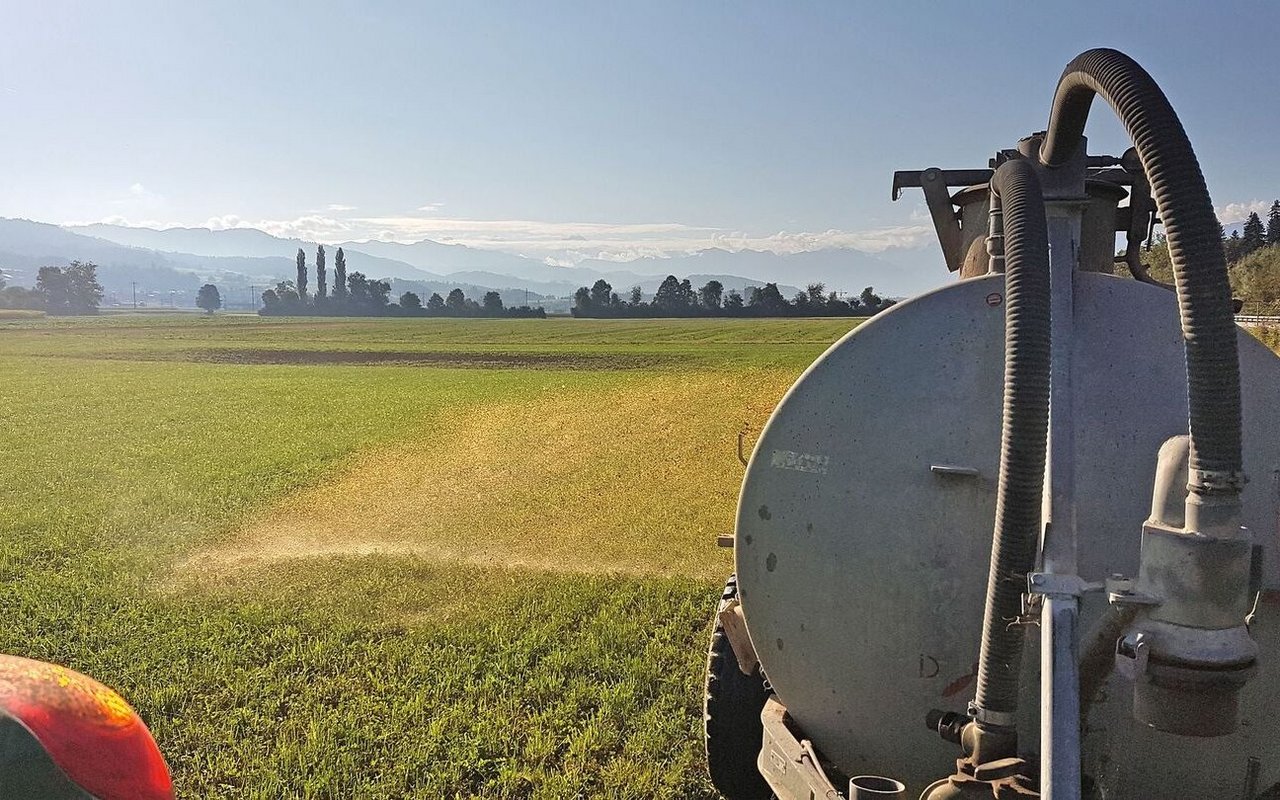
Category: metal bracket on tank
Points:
column 1060, row 585
column 1120, row 592
column 1050, row 584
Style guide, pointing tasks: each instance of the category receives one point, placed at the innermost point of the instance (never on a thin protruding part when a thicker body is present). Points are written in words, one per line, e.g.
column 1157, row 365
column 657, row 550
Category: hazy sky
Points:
column 547, row 127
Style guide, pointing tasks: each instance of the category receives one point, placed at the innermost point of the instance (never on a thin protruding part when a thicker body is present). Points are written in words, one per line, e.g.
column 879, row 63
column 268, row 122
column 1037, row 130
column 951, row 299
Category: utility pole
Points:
column 135, row 294
column 253, row 298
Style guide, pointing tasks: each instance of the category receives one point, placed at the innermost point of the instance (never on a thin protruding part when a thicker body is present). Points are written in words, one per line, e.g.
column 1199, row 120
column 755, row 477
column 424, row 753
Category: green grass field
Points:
column 386, row 558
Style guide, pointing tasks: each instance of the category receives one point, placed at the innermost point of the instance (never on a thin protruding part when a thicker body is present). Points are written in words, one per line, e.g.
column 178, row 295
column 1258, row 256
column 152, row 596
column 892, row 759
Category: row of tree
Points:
column 678, row 298
column 357, row 295
column 72, row 289
column 457, row 304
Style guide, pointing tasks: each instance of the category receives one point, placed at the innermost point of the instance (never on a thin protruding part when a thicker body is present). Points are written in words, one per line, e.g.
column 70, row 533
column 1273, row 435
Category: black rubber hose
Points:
column 1024, row 437
column 1194, row 237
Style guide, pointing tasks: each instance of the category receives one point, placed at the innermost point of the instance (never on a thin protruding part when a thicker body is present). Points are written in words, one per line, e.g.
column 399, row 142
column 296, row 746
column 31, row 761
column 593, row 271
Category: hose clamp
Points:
column 1217, row 480
column 986, row 716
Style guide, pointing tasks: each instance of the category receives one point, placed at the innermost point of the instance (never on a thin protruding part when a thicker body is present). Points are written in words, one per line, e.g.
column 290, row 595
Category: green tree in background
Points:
column 837, row 307
column 711, row 293
column 1273, row 223
column 410, row 301
column 301, row 283
column 55, row 287
column 1234, row 246
column 340, row 275
column 379, row 295
column 668, row 296
column 870, row 301
column 287, row 297
column 321, row 288
column 435, row 303
column 1256, row 277
column 70, row 290
column 600, row 293
column 456, row 302
column 208, row 298
column 767, row 299
column 1254, row 234
column 370, row 296
column 492, row 302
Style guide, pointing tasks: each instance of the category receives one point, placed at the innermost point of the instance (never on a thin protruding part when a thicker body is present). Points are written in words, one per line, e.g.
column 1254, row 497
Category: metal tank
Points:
column 1017, row 537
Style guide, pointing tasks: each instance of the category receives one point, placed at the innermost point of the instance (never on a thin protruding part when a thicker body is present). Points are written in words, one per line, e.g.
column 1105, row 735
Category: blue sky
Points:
column 576, row 129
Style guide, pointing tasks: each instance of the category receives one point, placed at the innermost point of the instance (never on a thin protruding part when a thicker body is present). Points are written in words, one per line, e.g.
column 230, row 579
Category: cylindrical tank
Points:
column 864, row 531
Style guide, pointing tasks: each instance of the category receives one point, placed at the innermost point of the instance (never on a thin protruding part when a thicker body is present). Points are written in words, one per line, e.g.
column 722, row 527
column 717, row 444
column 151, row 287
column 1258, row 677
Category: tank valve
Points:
column 1189, row 651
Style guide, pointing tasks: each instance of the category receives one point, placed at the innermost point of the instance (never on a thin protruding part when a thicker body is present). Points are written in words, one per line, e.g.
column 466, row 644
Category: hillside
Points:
column 172, row 263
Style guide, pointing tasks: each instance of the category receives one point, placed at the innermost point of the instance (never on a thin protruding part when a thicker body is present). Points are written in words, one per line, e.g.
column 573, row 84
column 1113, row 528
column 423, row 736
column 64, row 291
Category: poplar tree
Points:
column 340, row 275
column 321, row 288
column 1273, row 223
column 302, row 275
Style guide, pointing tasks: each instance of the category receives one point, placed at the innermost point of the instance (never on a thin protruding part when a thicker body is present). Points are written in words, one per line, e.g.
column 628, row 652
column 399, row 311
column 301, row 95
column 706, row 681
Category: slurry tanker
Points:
column 1017, row 537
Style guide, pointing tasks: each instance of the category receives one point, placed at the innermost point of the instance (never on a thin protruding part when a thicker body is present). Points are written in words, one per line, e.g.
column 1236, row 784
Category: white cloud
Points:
column 564, row 243
column 139, row 198
column 431, row 208
column 869, row 241
column 1238, row 212
column 339, row 207
column 145, row 195
column 223, row 222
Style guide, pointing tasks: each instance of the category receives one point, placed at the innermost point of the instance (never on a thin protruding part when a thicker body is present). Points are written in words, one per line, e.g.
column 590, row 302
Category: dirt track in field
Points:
column 426, row 358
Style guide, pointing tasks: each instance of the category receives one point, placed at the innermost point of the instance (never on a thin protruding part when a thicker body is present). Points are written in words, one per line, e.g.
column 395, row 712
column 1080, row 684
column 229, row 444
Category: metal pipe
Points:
column 874, row 787
column 1060, row 705
column 1059, row 668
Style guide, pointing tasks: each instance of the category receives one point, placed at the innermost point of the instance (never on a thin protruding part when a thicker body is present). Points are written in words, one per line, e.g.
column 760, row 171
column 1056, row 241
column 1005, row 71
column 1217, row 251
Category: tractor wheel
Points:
column 731, row 716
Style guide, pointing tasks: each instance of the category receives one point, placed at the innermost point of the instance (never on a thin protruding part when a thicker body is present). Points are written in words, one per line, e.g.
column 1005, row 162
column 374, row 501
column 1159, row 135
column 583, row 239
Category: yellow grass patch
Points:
column 638, row 478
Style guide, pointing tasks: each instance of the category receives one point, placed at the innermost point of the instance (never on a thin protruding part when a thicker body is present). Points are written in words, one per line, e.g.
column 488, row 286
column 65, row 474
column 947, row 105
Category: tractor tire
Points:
column 731, row 716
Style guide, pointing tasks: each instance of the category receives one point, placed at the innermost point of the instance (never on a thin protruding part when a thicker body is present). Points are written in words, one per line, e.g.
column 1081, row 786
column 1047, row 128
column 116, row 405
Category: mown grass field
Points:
column 386, row 558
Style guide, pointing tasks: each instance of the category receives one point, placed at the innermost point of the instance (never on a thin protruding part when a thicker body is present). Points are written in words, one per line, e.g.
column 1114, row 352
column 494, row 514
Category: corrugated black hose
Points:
column 1024, row 437
column 1192, row 229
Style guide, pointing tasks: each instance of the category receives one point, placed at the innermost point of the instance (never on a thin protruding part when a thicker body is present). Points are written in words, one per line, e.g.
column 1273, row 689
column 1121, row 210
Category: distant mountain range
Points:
column 243, row 261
